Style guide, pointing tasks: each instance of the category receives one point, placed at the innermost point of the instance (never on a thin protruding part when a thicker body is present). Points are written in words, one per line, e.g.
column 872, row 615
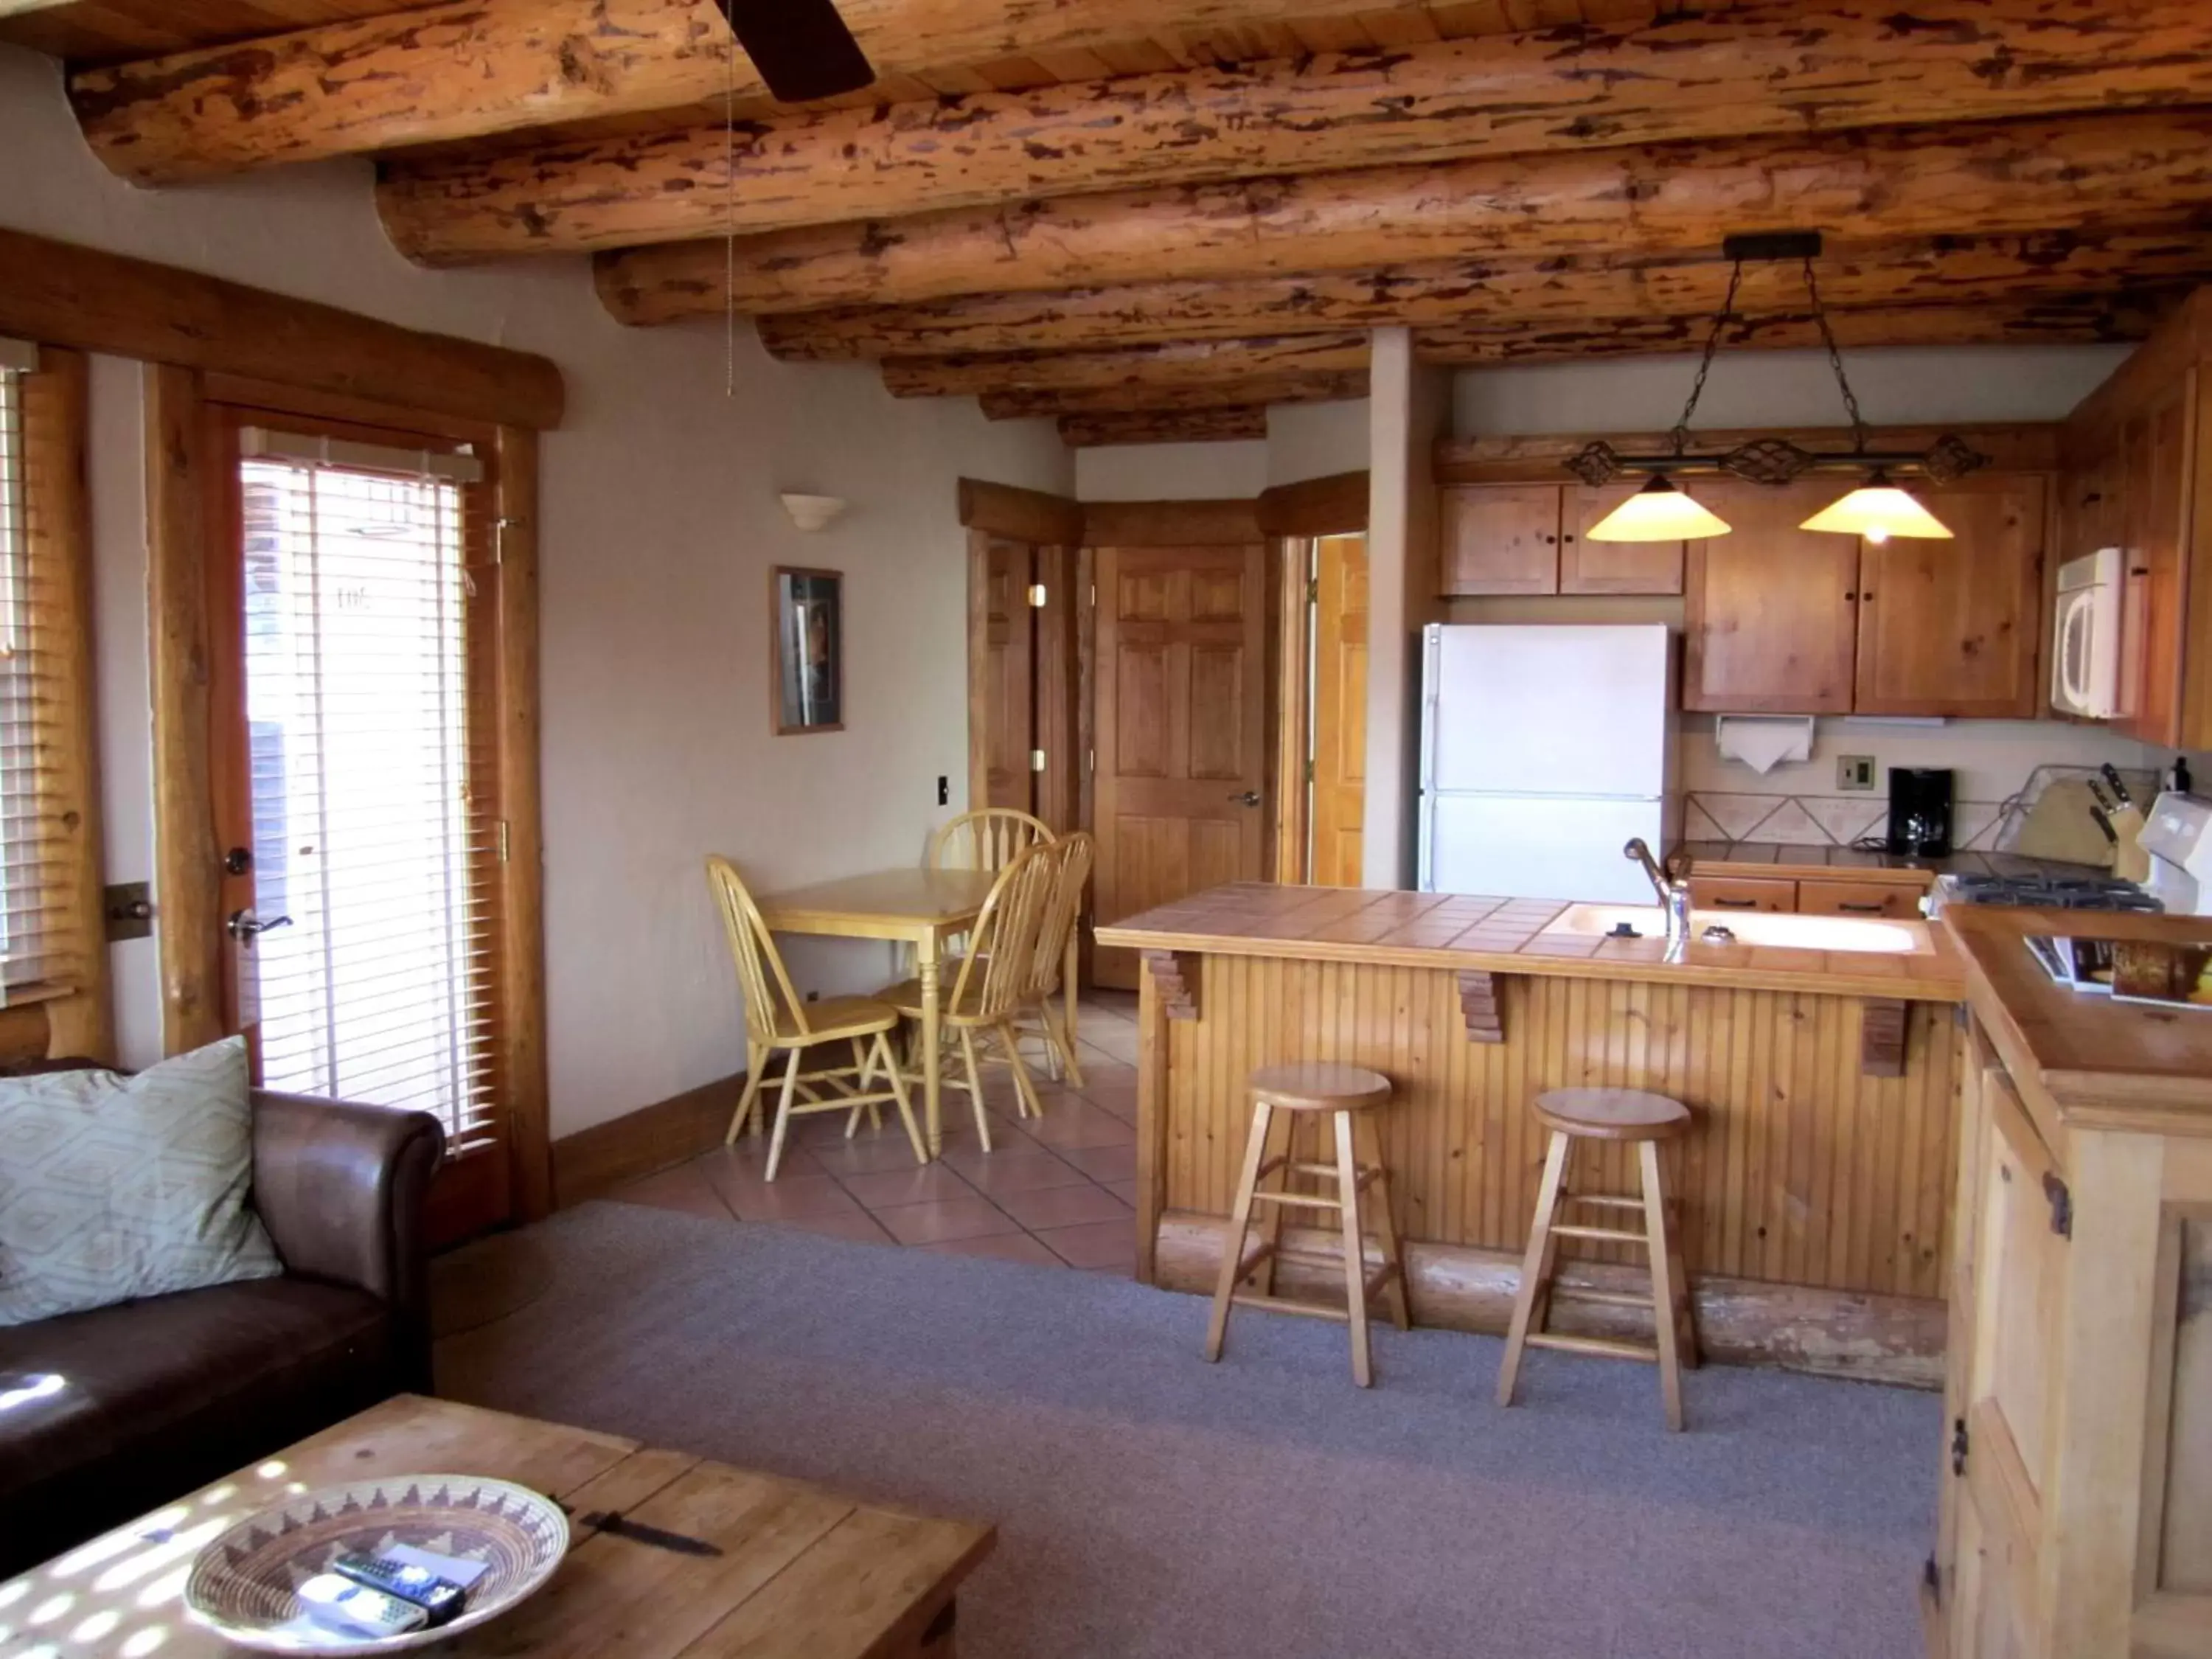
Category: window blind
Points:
column 43, row 950
column 369, row 831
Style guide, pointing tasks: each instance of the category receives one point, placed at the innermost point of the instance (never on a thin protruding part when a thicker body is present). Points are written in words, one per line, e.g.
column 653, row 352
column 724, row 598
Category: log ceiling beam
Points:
column 1222, row 374
column 474, row 68
column 2140, row 172
column 1762, row 69
column 1153, row 366
column 1500, row 291
column 1164, row 426
column 1137, row 397
column 2082, row 320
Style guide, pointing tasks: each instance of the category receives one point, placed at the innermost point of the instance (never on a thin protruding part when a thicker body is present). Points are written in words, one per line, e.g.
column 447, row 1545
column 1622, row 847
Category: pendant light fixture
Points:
column 1876, row 509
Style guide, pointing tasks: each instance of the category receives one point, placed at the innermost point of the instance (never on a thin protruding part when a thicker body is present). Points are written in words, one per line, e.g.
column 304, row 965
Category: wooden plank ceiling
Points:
column 1153, row 218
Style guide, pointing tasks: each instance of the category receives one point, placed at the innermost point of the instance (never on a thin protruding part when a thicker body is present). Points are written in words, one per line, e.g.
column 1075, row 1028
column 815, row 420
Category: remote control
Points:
column 442, row 1599
column 342, row 1605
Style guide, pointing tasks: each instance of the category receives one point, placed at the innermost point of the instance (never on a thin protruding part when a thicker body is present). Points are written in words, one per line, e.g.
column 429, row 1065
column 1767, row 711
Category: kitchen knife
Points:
column 2105, row 823
column 2119, row 790
column 2098, row 794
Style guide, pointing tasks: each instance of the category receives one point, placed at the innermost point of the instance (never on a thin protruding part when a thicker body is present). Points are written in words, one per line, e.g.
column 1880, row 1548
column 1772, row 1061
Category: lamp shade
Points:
column 1877, row 510
column 1657, row 513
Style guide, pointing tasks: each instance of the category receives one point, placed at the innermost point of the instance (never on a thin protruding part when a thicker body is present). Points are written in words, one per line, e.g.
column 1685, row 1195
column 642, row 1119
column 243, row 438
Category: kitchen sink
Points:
column 1760, row 927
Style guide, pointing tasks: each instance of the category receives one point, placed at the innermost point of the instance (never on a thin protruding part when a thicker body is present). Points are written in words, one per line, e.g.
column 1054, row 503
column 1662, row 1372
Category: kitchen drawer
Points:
column 1741, row 893
column 1900, row 901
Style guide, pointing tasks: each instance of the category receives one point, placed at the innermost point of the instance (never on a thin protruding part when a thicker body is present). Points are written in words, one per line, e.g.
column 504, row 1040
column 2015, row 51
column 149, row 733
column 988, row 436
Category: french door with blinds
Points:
column 357, row 782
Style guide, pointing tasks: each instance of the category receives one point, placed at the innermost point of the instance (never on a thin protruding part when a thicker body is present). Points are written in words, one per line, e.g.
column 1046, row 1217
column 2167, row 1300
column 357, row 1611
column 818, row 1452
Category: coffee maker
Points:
column 1920, row 812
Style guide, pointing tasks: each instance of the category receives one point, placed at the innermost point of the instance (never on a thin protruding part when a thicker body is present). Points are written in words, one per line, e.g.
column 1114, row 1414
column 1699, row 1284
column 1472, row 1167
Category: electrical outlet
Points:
column 1855, row 771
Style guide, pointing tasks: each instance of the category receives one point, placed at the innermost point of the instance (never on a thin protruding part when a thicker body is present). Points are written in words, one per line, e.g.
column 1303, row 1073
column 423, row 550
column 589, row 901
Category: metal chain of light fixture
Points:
column 1681, row 432
column 1835, row 360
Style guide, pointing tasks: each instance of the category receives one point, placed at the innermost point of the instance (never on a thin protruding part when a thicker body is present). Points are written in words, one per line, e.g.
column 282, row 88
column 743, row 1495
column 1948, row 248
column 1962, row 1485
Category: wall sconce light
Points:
column 812, row 513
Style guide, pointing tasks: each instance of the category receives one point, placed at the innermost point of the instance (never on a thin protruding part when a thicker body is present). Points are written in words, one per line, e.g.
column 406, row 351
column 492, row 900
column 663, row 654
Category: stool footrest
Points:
column 1611, row 1298
column 1290, row 1305
column 1609, row 1235
column 1381, row 1277
column 1604, row 1200
column 1317, row 1260
column 1606, row 1346
column 1309, row 1200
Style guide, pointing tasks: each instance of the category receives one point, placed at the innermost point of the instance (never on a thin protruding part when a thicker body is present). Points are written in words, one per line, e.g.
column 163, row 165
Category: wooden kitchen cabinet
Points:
column 1501, row 538
column 1588, row 567
column 1741, row 893
column 1771, row 616
column 1955, row 627
column 2075, row 1514
column 1896, row 901
column 2153, row 465
column 1535, row 539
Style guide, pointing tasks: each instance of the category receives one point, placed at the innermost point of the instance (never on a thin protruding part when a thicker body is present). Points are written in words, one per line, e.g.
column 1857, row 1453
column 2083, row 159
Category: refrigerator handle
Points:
column 1424, row 803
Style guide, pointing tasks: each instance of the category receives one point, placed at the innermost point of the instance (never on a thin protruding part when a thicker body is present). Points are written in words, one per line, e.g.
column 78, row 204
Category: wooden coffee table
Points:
column 802, row 1571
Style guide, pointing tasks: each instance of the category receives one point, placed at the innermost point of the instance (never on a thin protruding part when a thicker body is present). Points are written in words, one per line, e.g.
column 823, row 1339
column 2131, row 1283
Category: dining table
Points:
column 925, row 908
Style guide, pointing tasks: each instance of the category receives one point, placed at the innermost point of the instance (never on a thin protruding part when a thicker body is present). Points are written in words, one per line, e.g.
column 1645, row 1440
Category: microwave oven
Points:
column 2085, row 655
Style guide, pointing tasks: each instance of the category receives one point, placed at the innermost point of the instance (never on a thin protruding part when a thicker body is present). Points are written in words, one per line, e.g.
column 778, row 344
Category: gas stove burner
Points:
column 2050, row 892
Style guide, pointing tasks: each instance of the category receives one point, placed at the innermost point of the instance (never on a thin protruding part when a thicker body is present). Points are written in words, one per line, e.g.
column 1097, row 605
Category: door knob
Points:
column 245, row 927
column 1249, row 797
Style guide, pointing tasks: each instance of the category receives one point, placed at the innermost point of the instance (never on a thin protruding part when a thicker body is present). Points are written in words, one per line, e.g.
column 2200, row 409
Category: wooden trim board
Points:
column 1866, row 1337
column 1021, row 516
column 591, row 1162
column 1334, row 506
column 1171, row 523
column 61, row 293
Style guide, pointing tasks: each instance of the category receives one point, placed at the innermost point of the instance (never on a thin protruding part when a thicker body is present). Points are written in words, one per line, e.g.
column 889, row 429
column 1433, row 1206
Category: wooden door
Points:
column 1004, row 689
column 1181, row 729
column 1501, row 538
column 1339, row 726
column 1954, row 627
column 1771, row 613
column 1588, row 567
column 2154, row 447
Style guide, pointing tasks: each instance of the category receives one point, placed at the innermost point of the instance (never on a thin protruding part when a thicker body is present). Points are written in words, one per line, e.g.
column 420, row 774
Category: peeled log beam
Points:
column 2148, row 172
column 1163, row 426
column 477, row 67
column 1197, row 364
column 2085, row 319
column 1503, row 292
column 1325, row 387
column 1770, row 69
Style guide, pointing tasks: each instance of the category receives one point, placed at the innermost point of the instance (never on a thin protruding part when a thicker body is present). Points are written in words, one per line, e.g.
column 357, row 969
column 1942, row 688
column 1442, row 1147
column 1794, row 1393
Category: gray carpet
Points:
column 1149, row 1504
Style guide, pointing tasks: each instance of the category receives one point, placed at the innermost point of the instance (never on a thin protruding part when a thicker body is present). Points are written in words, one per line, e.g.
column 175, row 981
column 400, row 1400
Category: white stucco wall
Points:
column 661, row 523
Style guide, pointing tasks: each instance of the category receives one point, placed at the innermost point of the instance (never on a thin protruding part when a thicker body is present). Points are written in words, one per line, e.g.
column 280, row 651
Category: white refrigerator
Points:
column 1543, row 750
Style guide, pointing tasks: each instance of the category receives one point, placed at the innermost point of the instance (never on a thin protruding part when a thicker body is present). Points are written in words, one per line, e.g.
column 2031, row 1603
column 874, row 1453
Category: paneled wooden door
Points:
column 1339, row 706
column 1008, row 675
column 1180, row 783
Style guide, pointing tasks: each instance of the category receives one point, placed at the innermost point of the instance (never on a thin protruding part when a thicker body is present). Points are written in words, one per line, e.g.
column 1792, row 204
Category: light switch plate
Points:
column 1855, row 771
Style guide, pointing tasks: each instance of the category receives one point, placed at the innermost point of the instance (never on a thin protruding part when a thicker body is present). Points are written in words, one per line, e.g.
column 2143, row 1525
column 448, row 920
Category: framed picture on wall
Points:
column 809, row 607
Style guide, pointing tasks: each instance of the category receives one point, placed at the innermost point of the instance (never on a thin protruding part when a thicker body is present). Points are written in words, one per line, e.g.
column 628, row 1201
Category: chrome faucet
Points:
column 1674, row 893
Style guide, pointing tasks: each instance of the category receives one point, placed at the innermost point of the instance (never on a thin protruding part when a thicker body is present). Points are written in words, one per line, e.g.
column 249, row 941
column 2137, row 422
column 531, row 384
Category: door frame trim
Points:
column 183, row 496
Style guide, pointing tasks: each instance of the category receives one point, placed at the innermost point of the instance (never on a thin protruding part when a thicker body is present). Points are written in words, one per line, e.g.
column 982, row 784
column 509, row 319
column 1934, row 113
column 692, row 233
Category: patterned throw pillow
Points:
column 114, row 1187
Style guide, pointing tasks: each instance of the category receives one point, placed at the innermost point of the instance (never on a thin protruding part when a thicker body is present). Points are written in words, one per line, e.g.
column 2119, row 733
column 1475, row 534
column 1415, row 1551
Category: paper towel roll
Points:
column 1763, row 742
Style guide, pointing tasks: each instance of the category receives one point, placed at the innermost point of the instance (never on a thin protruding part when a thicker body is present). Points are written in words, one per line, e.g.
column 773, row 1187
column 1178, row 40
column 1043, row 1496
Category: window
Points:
column 46, row 947
column 374, row 828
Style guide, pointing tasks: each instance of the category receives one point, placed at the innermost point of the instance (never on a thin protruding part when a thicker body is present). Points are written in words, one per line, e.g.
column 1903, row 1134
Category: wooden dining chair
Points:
column 777, row 1018
column 988, row 838
column 1049, row 975
column 989, row 984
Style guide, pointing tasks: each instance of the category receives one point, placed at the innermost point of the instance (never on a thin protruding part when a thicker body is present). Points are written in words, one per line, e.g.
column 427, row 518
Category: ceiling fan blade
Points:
column 801, row 47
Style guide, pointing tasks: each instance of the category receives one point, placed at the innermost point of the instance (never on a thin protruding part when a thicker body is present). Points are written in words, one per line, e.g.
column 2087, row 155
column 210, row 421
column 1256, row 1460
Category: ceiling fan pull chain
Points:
column 1682, row 433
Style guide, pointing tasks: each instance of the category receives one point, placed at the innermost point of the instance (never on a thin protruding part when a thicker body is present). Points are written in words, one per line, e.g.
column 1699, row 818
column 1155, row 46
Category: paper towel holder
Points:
column 1763, row 742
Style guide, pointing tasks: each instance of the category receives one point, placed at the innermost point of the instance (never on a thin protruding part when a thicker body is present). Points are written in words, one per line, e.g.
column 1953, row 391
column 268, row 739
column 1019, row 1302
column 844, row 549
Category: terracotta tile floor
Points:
column 1055, row 1191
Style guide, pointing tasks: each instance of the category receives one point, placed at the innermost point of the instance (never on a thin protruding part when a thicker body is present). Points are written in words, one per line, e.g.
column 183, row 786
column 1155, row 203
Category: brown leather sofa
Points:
column 161, row 1395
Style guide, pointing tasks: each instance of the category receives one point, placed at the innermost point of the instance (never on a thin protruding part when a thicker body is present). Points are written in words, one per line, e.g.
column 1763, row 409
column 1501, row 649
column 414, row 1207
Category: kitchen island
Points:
column 1814, row 1191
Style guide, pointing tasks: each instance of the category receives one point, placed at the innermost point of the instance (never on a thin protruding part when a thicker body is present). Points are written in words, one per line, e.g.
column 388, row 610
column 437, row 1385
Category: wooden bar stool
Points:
column 1347, row 1095
column 1643, row 1120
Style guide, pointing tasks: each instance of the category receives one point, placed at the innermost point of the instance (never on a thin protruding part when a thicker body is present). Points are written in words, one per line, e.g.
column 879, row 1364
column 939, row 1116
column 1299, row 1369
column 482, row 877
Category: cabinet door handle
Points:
column 1736, row 904
column 1861, row 909
column 1866, row 599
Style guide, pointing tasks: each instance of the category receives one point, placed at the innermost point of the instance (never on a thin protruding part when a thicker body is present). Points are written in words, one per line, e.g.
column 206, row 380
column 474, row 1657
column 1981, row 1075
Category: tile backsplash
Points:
column 1796, row 804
